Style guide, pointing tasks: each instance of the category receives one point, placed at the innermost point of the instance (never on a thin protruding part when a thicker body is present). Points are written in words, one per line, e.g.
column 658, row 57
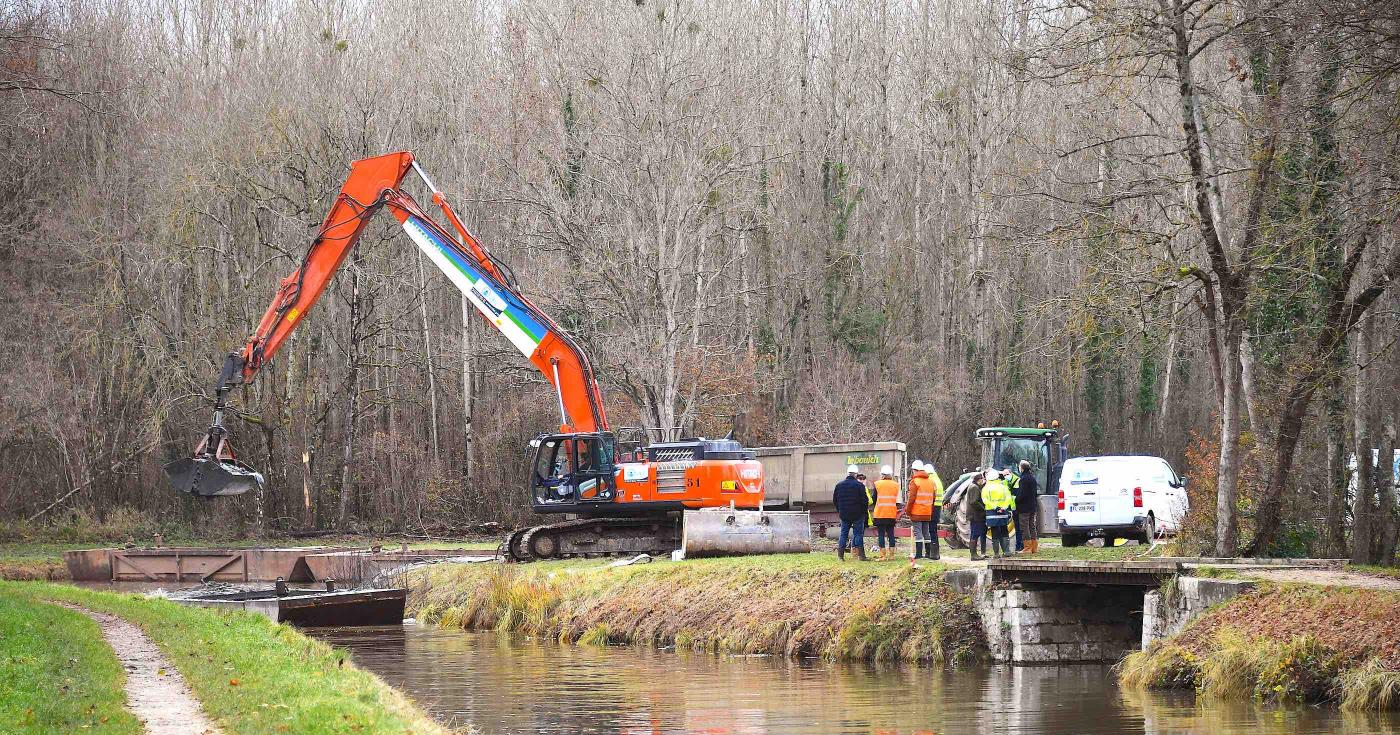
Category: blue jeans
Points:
column 846, row 532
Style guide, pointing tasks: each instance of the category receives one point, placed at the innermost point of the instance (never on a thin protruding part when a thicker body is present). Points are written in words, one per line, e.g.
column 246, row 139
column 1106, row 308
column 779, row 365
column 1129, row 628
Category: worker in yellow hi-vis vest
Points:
column 1000, row 505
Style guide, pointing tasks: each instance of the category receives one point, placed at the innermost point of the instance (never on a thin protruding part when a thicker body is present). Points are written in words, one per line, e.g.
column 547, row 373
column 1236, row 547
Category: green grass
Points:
column 252, row 675
column 1214, row 572
column 1374, row 571
column 789, row 605
column 1051, row 549
column 57, row 675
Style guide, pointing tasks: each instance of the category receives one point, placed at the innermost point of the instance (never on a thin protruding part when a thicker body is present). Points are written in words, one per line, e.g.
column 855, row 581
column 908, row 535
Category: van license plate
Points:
column 1081, row 507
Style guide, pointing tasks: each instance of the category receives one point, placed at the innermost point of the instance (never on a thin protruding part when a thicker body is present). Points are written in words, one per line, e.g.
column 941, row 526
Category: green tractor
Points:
column 1003, row 448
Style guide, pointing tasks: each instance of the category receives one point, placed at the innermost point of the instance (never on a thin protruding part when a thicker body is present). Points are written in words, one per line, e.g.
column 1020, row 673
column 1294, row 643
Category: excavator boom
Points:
column 624, row 504
column 375, row 183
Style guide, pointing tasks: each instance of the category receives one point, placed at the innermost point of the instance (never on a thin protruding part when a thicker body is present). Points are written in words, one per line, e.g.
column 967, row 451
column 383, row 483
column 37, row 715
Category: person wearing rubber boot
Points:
column 1000, row 505
column 851, row 506
column 924, row 504
column 976, row 518
column 1027, row 521
column 886, row 511
column 938, row 492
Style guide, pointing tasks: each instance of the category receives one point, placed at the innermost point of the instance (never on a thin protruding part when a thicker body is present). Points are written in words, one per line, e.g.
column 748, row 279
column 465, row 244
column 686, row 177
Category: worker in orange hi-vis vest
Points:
column 886, row 511
column 925, row 506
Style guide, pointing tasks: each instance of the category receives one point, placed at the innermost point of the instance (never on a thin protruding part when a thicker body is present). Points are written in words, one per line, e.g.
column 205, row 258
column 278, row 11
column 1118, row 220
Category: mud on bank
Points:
column 788, row 605
column 1287, row 643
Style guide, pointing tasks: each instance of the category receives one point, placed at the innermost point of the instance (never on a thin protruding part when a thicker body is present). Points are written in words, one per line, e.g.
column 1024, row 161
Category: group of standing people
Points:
column 991, row 504
column 861, row 504
column 997, row 501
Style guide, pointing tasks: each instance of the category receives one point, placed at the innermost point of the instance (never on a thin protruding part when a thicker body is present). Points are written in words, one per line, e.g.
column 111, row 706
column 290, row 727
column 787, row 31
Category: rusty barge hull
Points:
column 312, row 608
column 191, row 564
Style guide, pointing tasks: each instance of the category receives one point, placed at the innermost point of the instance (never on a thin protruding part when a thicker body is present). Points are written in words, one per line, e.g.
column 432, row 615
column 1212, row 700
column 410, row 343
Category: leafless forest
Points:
column 1170, row 224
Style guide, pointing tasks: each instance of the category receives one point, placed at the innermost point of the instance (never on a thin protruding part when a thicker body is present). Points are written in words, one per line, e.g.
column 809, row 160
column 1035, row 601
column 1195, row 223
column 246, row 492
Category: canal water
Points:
column 504, row 684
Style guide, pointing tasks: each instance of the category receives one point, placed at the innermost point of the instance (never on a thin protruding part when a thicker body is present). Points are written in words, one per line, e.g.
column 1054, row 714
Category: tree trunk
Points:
column 1362, row 538
column 1227, row 486
column 1336, row 486
column 1164, row 408
column 352, row 401
column 468, row 394
column 1385, row 480
column 1250, row 391
column 428, row 358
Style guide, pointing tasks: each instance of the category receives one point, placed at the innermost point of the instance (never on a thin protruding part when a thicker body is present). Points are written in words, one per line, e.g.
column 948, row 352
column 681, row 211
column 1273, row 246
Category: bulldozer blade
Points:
column 725, row 532
column 208, row 477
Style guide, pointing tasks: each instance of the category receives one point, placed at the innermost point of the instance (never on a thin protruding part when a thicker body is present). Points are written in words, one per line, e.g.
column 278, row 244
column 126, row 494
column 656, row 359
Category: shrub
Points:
column 1163, row 667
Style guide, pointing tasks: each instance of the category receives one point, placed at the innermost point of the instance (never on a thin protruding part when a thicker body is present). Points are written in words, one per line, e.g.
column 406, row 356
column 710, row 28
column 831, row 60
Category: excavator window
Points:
column 571, row 469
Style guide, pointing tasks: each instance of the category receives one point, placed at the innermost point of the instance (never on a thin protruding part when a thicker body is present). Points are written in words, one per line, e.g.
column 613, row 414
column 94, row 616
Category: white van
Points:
column 1119, row 497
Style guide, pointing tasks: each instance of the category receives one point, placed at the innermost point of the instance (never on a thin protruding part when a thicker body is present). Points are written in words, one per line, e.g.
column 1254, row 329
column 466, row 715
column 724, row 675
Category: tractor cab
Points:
column 571, row 470
column 1003, row 448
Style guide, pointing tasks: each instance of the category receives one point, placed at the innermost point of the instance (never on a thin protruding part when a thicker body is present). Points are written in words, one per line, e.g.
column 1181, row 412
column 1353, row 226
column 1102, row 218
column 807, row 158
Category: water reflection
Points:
column 505, row 685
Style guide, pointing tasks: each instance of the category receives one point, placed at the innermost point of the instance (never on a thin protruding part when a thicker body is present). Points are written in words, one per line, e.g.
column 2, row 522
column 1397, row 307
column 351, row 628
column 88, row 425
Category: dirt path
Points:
column 1329, row 577
column 155, row 691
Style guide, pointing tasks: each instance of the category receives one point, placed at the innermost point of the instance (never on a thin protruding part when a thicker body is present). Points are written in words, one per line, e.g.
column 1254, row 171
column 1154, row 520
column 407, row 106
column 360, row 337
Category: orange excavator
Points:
column 620, row 494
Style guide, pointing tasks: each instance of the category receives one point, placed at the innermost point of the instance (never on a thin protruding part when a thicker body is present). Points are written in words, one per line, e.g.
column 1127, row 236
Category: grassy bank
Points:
column 1288, row 643
column 57, row 674
column 790, row 605
column 251, row 675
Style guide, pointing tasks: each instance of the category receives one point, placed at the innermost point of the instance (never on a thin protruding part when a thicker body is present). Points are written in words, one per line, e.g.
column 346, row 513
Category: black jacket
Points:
column 850, row 500
column 1026, row 492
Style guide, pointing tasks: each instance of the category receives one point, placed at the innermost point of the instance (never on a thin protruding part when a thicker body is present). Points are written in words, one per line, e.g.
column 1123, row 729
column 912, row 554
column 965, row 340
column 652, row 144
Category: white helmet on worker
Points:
column 887, row 471
column 992, row 475
column 852, row 469
column 915, row 466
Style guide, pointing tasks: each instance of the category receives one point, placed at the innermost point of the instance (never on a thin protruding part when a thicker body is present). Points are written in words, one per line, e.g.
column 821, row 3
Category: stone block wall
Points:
column 1165, row 615
column 1061, row 623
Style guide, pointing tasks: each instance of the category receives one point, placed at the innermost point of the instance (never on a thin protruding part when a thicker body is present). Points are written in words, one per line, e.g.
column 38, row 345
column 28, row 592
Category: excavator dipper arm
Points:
column 375, row 183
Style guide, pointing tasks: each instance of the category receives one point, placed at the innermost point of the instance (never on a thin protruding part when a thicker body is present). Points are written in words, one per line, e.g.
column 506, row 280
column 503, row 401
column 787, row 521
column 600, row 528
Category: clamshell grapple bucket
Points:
column 210, row 477
column 728, row 532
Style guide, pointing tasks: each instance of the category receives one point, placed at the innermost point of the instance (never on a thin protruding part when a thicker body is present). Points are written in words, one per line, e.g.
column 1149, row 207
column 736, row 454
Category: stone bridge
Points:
column 1038, row 611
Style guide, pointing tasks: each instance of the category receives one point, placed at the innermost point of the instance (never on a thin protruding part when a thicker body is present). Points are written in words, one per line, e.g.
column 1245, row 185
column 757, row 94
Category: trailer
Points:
column 802, row 477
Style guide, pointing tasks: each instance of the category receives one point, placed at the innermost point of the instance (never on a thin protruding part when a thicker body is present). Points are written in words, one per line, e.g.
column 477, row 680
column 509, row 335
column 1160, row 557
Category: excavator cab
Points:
column 573, row 469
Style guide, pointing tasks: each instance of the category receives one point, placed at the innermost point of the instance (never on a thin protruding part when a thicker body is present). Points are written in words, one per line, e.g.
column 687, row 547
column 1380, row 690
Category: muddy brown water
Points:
column 504, row 684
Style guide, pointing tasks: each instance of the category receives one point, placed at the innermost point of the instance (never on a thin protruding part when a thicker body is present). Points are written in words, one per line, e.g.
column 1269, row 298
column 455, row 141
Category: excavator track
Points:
column 594, row 537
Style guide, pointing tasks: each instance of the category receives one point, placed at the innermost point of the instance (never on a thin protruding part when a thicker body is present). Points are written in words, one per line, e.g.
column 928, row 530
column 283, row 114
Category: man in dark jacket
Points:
column 851, row 505
column 1027, row 530
column 976, row 517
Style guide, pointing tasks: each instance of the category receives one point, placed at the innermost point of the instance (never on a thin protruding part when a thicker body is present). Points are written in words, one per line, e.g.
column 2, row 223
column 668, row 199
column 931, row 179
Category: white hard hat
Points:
column 887, row 470
column 852, row 469
column 991, row 475
column 916, row 466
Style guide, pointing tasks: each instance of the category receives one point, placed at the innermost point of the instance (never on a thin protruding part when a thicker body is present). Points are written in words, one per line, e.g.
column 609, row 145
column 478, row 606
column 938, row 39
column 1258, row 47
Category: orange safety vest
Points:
column 922, row 497
column 886, row 499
